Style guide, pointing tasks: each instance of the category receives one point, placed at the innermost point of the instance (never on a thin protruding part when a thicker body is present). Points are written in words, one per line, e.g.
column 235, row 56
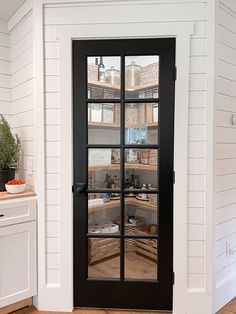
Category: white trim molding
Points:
column 154, row 30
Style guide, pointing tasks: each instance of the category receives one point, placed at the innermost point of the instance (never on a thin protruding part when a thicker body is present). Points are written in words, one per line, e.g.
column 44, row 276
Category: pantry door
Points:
column 123, row 124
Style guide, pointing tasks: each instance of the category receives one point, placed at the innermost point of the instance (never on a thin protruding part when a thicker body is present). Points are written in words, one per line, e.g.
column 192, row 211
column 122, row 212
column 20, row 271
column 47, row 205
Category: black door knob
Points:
column 80, row 188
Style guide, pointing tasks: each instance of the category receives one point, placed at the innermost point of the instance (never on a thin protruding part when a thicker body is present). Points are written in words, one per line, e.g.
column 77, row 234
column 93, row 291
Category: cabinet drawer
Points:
column 17, row 211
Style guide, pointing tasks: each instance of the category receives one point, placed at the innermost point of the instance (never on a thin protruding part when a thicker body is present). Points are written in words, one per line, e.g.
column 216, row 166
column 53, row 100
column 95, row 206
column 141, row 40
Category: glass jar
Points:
column 112, row 76
column 132, row 75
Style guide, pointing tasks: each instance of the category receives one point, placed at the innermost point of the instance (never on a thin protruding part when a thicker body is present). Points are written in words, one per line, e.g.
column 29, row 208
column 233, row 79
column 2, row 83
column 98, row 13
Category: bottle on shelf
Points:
column 136, row 181
column 116, row 182
column 113, row 186
column 101, row 71
column 108, row 181
column 132, row 180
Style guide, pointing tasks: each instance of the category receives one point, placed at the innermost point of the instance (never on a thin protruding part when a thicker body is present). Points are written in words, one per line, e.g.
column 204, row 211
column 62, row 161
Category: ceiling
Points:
column 9, row 7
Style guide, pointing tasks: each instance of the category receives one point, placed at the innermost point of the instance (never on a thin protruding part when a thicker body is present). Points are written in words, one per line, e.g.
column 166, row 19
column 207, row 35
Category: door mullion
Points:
column 122, row 167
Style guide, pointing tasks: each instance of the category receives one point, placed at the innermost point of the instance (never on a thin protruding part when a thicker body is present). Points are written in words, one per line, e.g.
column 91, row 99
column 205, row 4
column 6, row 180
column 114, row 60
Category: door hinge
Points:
column 175, row 73
column 173, row 278
column 173, row 177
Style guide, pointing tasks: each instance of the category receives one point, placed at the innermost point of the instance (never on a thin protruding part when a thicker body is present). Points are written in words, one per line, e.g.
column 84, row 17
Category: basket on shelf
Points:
column 153, row 157
column 117, row 114
column 145, row 156
column 131, row 115
column 131, row 229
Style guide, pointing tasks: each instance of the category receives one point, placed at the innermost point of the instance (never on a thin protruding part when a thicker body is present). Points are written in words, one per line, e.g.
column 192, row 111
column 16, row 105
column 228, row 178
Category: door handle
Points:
column 80, row 188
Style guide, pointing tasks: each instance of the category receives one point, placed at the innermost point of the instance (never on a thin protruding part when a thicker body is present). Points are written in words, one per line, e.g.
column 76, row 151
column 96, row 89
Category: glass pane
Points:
column 103, row 210
column 141, row 168
column 141, row 123
column 103, row 77
column 141, row 214
column 104, row 168
column 141, row 259
column 103, row 258
column 103, row 123
column 141, row 76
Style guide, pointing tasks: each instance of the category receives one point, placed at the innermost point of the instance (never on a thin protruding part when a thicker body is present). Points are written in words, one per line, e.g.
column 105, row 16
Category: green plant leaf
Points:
column 10, row 145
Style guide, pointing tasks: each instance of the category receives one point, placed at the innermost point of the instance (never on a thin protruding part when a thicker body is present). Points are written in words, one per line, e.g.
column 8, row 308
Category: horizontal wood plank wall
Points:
column 225, row 152
column 166, row 11
column 5, row 71
column 23, row 91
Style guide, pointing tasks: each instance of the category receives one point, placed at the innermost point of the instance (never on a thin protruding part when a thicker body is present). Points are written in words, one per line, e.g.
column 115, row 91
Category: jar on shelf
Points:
column 108, row 113
column 132, row 75
column 112, row 76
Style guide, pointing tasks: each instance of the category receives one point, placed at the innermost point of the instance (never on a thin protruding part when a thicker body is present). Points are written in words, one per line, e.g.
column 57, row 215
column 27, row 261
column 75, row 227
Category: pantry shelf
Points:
column 141, row 87
column 127, row 166
column 116, row 203
column 115, row 126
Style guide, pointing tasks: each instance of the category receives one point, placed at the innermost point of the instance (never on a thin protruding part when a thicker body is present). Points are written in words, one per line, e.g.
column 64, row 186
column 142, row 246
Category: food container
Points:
column 132, row 76
column 112, row 76
column 96, row 113
column 132, row 156
column 108, row 113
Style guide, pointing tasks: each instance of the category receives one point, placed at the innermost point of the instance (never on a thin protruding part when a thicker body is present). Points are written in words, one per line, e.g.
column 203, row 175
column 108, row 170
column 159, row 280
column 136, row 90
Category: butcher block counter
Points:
column 7, row 196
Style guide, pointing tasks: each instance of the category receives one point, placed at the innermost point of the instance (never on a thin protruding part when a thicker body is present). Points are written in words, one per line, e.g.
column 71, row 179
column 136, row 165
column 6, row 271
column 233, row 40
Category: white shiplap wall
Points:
column 225, row 151
column 23, row 91
column 162, row 11
column 5, row 71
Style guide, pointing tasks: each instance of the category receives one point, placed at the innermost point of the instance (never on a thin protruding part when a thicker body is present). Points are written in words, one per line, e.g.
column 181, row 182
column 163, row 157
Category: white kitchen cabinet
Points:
column 18, row 278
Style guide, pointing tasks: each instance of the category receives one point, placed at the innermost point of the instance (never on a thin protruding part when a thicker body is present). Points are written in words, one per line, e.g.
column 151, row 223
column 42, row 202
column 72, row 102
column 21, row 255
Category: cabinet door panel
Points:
column 17, row 262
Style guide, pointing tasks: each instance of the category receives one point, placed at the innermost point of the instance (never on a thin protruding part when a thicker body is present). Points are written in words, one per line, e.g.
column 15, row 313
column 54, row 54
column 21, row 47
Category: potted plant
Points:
column 9, row 153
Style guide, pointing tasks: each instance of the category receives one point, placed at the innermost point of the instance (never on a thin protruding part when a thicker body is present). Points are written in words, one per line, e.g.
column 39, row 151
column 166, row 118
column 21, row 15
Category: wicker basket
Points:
column 131, row 229
column 145, row 156
column 117, row 115
column 153, row 157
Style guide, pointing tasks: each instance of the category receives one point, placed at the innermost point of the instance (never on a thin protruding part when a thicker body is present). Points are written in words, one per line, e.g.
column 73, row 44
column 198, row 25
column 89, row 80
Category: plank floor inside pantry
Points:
column 136, row 266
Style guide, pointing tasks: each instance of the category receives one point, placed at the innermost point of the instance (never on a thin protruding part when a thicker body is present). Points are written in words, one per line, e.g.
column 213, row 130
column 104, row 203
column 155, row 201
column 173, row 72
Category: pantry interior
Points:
column 141, row 166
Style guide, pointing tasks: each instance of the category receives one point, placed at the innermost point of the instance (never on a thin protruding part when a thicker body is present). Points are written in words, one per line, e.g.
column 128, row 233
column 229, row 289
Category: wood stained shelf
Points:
column 115, row 126
column 116, row 203
column 127, row 166
column 150, row 85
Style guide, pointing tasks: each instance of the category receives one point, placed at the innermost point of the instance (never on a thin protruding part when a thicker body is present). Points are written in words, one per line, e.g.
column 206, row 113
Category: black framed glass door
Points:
column 123, row 122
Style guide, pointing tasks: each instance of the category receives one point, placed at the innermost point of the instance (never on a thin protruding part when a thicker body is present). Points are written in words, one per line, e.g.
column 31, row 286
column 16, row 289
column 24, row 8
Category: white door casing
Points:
column 65, row 34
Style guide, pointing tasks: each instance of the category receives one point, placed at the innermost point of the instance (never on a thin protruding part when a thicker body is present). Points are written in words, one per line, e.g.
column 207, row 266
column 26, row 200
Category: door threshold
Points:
column 121, row 310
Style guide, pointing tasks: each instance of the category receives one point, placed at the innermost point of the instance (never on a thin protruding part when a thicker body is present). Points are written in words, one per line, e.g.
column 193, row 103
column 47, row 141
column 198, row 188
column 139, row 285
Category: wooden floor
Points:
column 230, row 308
column 32, row 310
column 136, row 267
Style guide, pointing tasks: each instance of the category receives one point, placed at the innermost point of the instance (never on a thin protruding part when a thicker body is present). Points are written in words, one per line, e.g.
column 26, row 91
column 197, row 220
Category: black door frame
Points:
column 125, row 294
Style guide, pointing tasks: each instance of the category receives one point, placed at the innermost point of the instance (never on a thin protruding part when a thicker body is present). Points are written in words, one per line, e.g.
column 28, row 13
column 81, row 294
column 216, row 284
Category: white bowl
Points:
column 14, row 189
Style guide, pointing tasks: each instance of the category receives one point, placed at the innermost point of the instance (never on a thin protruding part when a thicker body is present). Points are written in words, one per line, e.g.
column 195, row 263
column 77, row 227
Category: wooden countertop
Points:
column 7, row 196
